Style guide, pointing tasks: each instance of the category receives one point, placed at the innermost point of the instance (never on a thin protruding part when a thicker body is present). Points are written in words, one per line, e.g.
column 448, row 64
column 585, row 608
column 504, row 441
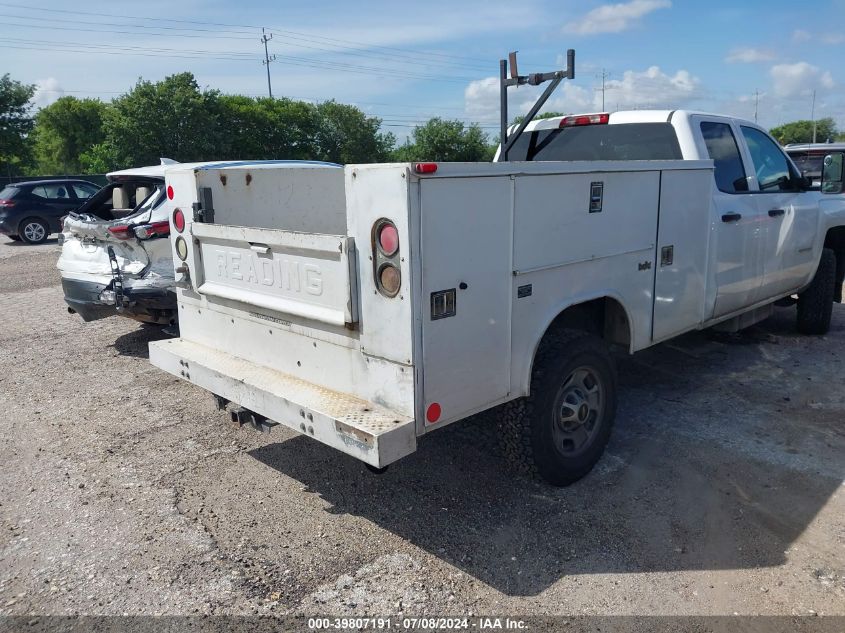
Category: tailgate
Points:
column 291, row 273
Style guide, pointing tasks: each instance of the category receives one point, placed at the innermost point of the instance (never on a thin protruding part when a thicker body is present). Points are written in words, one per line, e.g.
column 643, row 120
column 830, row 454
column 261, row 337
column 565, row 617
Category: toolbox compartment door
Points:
column 305, row 275
column 466, row 293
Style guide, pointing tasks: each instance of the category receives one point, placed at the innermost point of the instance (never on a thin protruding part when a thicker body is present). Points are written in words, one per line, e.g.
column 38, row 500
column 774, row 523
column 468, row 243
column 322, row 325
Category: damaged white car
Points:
column 116, row 256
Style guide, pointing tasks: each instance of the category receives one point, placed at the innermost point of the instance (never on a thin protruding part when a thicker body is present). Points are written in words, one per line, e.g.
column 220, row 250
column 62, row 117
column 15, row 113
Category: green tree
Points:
column 171, row 118
column 267, row 128
column 15, row 123
column 802, row 131
column 64, row 131
column 346, row 135
column 542, row 115
column 441, row 140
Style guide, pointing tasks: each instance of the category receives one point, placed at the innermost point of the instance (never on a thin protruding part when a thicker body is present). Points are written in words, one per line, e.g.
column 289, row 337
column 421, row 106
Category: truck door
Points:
column 738, row 224
column 466, row 248
column 790, row 217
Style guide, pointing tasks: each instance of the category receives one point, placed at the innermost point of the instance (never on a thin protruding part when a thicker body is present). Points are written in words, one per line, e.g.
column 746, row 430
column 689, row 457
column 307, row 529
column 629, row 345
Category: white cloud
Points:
column 800, row 35
column 614, row 18
column 801, row 78
column 653, row 88
column 47, row 91
column 747, row 55
column 649, row 88
column 481, row 100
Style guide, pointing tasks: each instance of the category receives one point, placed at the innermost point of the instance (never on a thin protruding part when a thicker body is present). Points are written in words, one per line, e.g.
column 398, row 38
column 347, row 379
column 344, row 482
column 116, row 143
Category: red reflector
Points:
column 7, row 203
column 433, row 412
column 584, row 119
column 169, row 192
column 388, row 239
column 121, row 232
column 425, row 168
column 179, row 220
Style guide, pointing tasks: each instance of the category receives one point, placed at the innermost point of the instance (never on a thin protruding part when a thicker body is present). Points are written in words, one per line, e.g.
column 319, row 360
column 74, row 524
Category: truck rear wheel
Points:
column 815, row 304
column 559, row 431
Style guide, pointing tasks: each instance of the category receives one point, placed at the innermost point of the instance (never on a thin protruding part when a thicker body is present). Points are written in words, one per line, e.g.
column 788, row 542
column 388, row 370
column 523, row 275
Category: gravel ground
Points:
column 125, row 492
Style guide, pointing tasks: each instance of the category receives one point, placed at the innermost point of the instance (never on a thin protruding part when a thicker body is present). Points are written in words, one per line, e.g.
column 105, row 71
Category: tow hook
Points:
column 241, row 416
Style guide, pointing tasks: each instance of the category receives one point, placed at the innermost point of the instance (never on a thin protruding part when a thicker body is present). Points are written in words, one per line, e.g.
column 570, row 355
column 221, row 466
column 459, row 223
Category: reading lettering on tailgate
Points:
column 286, row 273
column 308, row 275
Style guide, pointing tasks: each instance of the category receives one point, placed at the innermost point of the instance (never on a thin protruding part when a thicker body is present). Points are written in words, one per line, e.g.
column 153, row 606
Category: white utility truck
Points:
column 369, row 305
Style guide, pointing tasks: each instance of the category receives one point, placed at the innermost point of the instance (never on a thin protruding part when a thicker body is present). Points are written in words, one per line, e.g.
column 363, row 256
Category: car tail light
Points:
column 149, row 231
column 425, row 168
column 179, row 220
column 388, row 239
column 5, row 203
column 121, row 232
column 585, row 119
column 170, row 192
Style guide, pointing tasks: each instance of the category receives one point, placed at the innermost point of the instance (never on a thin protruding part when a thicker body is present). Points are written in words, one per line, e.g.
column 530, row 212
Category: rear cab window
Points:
column 727, row 161
column 621, row 141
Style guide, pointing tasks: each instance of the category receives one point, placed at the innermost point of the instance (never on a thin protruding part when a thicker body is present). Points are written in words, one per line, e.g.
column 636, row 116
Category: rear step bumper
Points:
column 365, row 430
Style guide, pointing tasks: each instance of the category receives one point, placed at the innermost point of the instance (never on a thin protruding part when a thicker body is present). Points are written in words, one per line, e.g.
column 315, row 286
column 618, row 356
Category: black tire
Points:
column 815, row 304
column 537, row 437
column 34, row 231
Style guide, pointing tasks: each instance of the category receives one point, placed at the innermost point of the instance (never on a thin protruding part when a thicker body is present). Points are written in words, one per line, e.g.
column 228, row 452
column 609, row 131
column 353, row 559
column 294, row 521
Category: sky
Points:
column 408, row 62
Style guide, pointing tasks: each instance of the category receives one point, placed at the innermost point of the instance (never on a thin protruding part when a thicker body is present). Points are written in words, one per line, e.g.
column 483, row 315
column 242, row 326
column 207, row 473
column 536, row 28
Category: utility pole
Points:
column 756, row 103
column 813, row 115
column 604, row 75
column 267, row 58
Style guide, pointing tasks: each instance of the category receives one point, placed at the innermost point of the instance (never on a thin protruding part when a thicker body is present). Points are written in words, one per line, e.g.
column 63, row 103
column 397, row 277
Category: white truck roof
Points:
column 157, row 171
column 622, row 116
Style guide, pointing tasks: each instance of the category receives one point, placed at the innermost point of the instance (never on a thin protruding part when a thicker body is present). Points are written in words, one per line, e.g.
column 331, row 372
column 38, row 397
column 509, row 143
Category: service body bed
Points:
column 280, row 312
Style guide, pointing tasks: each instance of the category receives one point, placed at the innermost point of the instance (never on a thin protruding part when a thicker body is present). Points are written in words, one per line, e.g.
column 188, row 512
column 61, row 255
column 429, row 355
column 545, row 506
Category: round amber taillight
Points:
column 390, row 279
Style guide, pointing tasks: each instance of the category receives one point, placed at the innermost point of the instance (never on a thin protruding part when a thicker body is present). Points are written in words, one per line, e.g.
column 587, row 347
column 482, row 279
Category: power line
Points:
column 80, row 47
column 267, row 59
column 301, row 42
column 603, row 75
column 159, row 19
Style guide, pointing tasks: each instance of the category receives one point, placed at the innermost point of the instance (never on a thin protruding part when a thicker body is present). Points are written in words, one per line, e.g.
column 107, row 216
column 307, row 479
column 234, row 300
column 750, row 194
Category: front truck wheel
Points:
column 559, row 431
column 815, row 304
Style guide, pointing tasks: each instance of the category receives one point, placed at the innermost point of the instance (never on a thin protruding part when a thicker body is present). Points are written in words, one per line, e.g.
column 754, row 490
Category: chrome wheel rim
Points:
column 578, row 411
column 34, row 232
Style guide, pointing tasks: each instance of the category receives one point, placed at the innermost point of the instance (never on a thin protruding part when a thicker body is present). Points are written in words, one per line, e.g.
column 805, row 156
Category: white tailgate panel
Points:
column 679, row 290
column 298, row 274
column 466, row 237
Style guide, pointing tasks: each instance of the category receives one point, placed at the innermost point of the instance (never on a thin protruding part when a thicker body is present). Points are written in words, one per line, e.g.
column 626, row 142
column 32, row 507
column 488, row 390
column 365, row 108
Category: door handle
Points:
column 774, row 213
column 731, row 217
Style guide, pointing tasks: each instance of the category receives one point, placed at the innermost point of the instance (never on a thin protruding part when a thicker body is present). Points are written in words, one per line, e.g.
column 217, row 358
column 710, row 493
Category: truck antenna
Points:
column 534, row 79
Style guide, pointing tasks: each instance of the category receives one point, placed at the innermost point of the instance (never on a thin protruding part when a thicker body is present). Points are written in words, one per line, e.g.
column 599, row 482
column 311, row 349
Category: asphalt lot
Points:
column 125, row 491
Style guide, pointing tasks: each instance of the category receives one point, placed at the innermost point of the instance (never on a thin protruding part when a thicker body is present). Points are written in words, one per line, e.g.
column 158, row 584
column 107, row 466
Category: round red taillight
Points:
column 388, row 239
column 169, row 192
column 179, row 220
column 389, row 279
column 433, row 413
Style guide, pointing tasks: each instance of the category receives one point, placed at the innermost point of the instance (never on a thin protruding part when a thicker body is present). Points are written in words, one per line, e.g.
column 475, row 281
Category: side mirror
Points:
column 832, row 173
